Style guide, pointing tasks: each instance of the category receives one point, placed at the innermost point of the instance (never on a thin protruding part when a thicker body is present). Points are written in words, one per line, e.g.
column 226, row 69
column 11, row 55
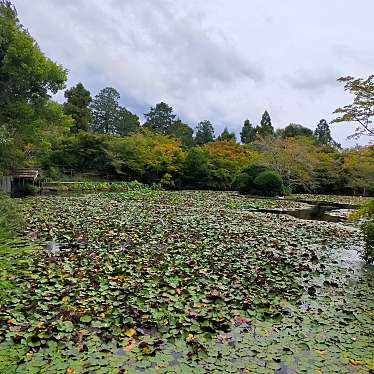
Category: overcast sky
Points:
column 222, row 60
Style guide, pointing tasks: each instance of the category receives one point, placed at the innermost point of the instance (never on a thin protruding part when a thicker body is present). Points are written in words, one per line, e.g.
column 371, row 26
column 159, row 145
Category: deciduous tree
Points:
column 361, row 111
column 294, row 129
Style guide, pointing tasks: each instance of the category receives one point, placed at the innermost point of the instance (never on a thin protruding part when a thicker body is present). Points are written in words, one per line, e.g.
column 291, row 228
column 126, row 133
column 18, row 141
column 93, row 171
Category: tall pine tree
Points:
column 77, row 105
column 105, row 109
column 248, row 133
column 160, row 118
column 204, row 132
column 323, row 133
column 265, row 128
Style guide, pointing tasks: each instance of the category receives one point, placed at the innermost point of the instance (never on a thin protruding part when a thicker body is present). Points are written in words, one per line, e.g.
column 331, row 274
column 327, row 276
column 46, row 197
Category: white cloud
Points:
column 215, row 59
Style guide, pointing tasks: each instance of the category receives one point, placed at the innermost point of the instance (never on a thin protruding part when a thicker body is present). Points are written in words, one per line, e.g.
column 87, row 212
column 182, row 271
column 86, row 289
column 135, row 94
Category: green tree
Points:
column 195, row 172
column 292, row 158
column 181, row 131
column 248, row 133
column 358, row 166
column 204, row 132
column 105, row 109
column 77, row 105
column 294, row 130
column 260, row 180
column 227, row 136
column 160, row 118
column 27, row 78
column 323, row 133
column 361, row 111
column 148, row 156
column 265, row 128
column 85, row 151
column 26, row 75
column 126, row 122
column 269, row 183
column 225, row 159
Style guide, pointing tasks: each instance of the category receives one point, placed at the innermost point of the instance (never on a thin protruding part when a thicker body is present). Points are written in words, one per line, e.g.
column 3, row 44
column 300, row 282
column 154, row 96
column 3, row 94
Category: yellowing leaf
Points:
column 357, row 362
column 130, row 332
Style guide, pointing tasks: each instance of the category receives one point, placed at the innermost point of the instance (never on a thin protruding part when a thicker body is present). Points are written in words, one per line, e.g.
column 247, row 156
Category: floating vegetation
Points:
column 182, row 282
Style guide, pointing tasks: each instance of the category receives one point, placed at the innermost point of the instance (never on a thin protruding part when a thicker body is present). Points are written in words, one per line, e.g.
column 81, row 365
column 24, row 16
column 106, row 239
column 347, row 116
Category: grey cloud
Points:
column 212, row 59
column 316, row 81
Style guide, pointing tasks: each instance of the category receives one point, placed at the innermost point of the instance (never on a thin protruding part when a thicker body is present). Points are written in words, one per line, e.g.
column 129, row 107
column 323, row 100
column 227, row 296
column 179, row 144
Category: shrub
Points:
column 245, row 181
column 260, row 180
column 268, row 183
column 367, row 228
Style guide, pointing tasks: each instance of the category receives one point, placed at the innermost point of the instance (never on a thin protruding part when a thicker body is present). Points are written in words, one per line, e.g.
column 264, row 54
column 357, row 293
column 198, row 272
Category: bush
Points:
column 366, row 211
column 245, row 181
column 268, row 183
column 260, row 180
column 368, row 232
column 26, row 189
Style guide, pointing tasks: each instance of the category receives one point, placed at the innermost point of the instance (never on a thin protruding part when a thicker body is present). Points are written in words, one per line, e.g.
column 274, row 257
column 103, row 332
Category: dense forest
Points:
column 94, row 137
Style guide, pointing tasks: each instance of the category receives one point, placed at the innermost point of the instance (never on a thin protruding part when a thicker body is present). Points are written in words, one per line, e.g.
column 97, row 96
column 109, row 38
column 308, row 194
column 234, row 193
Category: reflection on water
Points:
column 315, row 213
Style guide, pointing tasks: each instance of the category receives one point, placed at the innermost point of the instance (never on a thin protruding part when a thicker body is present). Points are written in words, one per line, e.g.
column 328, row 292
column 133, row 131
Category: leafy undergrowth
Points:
column 182, row 282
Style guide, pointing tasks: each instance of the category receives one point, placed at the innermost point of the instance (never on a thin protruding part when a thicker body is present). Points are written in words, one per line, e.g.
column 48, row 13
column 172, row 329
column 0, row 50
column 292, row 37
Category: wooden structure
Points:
column 18, row 178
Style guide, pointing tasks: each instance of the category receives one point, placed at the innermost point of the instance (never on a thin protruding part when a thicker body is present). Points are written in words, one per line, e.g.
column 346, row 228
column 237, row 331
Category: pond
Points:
column 188, row 281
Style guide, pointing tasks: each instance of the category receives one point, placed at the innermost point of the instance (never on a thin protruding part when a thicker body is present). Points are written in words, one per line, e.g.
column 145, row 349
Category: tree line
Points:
column 97, row 137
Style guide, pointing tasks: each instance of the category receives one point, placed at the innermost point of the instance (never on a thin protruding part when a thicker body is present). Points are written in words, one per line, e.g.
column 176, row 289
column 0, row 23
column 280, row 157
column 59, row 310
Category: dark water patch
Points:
column 314, row 213
column 329, row 204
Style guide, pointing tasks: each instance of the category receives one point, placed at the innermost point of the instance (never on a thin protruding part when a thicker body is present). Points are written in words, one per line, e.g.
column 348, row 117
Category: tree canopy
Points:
column 294, row 129
column 204, row 132
column 361, row 111
column 77, row 105
column 160, row 118
column 266, row 128
column 227, row 136
column 248, row 133
column 103, row 138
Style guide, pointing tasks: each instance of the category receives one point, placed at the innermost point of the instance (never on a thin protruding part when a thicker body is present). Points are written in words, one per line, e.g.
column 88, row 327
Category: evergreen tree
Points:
column 105, row 109
column 204, row 132
column 265, row 128
column 181, row 131
column 248, row 133
column 323, row 133
column 227, row 136
column 77, row 105
column 126, row 122
column 160, row 118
